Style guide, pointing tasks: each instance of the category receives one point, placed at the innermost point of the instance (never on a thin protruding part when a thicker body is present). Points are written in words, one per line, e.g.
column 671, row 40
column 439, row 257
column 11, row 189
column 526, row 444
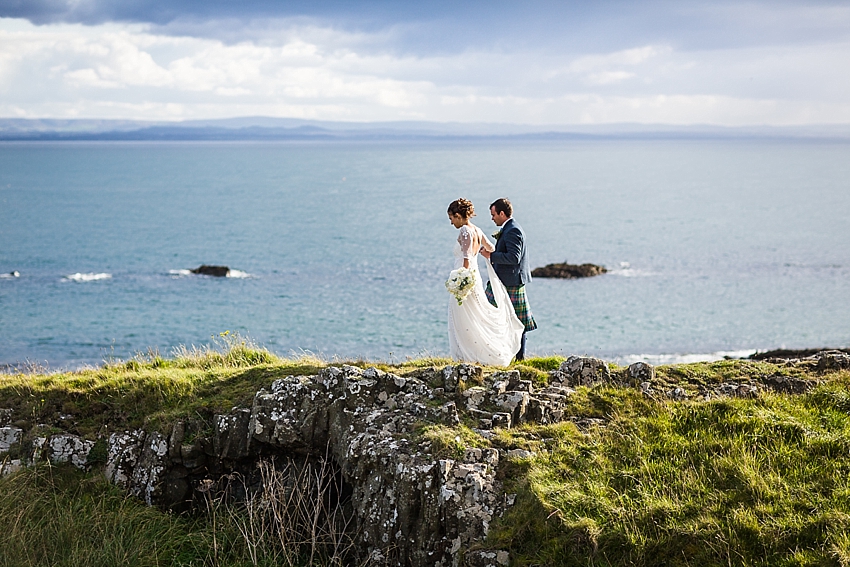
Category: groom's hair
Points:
column 502, row 206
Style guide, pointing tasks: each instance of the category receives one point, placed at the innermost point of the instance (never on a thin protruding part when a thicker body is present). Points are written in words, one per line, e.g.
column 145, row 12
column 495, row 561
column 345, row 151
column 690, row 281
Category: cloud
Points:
column 126, row 68
column 299, row 68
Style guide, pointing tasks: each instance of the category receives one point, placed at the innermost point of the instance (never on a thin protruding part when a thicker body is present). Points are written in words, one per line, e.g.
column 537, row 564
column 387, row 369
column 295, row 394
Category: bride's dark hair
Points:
column 462, row 207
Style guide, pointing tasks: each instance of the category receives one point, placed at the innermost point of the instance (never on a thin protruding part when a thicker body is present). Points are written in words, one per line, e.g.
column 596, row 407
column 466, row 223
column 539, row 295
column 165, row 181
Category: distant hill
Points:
column 267, row 128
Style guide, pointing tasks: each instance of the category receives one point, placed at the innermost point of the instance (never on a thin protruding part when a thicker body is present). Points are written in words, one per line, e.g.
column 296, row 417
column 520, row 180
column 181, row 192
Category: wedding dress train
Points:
column 478, row 331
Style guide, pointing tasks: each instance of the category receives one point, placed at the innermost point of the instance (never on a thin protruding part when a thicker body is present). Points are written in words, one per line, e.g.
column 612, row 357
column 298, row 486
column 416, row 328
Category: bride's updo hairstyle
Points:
column 462, row 207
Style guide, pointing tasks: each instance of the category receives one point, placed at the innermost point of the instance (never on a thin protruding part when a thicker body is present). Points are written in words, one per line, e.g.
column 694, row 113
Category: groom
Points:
column 510, row 263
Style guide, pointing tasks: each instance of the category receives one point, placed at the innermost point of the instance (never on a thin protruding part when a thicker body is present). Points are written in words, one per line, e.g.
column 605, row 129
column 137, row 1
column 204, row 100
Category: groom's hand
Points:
column 485, row 253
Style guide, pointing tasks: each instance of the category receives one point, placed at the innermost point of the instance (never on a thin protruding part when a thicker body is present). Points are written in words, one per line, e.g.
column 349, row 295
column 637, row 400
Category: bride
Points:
column 478, row 331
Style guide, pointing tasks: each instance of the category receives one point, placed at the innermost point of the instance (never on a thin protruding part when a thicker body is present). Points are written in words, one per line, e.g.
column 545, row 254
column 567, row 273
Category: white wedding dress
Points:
column 479, row 332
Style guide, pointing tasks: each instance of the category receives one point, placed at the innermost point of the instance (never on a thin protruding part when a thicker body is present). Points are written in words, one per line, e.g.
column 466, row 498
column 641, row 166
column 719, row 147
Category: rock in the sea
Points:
column 568, row 271
column 217, row 271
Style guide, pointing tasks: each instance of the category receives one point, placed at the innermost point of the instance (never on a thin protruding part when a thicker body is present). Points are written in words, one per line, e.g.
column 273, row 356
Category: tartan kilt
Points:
column 520, row 303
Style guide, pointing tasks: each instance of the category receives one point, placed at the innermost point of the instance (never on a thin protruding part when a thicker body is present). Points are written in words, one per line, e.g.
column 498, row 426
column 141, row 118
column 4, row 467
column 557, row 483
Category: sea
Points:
column 340, row 249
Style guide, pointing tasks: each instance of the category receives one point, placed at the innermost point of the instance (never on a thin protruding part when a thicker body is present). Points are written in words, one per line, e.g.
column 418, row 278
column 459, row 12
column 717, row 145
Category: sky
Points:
column 677, row 62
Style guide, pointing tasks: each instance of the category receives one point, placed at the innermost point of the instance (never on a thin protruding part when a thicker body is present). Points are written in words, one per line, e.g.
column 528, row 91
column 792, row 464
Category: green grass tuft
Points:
column 726, row 482
column 59, row 517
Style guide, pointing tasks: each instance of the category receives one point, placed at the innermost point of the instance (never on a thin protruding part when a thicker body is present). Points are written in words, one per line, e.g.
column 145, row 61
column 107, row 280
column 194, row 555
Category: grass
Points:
column 742, row 482
column 152, row 392
column 149, row 391
column 761, row 481
column 59, row 517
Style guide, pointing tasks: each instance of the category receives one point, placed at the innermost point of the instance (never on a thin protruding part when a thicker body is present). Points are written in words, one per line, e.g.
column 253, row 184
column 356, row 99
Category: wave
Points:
column 89, row 277
column 625, row 270
column 659, row 359
column 237, row 274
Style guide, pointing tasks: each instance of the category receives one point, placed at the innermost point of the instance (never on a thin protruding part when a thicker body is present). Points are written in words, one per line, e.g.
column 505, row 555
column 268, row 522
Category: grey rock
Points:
column 175, row 440
column 9, row 437
column 583, row 371
column 487, row 558
column 66, row 448
column 470, row 373
column 215, row 271
column 148, row 475
column 538, row 411
column 449, row 415
column 232, row 438
column 10, row 466
column 453, row 376
column 481, row 415
column 450, row 379
column 498, row 387
column 474, row 396
column 677, row 394
column 502, row 420
column 832, row 360
column 37, row 449
column 516, row 404
column 192, row 456
column 640, row 372
column 728, row 389
column 512, row 377
column 558, row 393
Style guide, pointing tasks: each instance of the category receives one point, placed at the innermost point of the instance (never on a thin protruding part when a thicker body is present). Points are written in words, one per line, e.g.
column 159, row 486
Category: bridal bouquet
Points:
column 460, row 283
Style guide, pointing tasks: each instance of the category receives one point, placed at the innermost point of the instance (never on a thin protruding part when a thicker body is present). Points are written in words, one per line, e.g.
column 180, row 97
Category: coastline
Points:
column 36, row 365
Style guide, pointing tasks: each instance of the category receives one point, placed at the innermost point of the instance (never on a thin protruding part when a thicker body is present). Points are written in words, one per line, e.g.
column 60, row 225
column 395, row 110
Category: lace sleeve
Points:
column 486, row 244
column 465, row 240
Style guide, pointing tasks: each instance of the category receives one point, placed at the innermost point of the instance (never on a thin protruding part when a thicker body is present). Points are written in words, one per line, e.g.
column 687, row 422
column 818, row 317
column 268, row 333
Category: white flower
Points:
column 460, row 283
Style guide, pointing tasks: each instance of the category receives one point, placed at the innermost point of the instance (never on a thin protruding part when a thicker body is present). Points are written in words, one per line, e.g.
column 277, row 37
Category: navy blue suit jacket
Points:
column 509, row 259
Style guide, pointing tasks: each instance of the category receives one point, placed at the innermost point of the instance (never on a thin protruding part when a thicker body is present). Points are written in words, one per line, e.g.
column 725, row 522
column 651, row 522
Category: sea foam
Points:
column 625, row 270
column 238, row 274
column 659, row 359
column 89, row 277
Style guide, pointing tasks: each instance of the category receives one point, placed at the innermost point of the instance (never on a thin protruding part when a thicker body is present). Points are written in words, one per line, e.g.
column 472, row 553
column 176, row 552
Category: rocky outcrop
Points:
column 795, row 354
column 830, row 360
column 407, row 507
column 568, row 271
column 215, row 271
